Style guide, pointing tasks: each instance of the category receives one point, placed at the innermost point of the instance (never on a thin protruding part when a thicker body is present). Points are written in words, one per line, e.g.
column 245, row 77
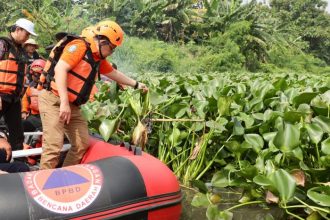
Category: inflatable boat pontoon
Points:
column 112, row 182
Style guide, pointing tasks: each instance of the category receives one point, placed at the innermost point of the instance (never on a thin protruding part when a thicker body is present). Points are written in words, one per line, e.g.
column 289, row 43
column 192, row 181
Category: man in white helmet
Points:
column 12, row 68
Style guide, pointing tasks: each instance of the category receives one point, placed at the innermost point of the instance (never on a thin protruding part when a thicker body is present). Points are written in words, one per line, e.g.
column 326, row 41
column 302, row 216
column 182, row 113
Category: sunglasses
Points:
column 107, row 43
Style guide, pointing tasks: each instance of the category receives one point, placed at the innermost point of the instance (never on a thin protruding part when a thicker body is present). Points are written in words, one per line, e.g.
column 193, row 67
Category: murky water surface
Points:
column 252, row 212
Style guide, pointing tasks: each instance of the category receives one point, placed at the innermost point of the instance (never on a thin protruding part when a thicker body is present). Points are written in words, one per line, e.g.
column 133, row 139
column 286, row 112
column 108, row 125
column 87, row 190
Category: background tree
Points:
column 309, row 20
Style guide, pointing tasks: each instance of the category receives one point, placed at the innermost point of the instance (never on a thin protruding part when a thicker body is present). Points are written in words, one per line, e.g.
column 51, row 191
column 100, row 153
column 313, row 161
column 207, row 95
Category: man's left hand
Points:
column 143, row 87
column 6, row 146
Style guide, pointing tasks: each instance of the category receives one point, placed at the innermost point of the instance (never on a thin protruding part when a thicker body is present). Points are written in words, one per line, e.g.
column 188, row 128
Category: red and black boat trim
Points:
column 111, row 183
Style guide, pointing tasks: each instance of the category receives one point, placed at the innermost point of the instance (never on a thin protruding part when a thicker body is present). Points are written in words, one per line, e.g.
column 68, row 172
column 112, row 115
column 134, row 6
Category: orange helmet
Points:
column 88, row 33
column 110, row 30
column 37, row 66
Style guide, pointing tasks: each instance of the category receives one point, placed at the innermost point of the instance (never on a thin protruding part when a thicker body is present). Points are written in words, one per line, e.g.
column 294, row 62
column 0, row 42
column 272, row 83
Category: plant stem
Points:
column 211, row 162
column 283, row 159
column 311, row 207
column 187, row 187
column 314, row 208
column 318, row 155
column 294, row 215
column 176, row 120
column 244, row 204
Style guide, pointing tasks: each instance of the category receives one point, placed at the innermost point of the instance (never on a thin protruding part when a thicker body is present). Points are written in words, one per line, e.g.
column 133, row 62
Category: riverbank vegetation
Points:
column 239, row 93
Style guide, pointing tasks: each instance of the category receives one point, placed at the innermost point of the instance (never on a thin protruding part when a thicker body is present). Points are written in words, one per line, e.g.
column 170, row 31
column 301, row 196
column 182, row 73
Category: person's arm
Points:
column 121, row 78
column 61, row 71
column 25, row 104
column 5, row 145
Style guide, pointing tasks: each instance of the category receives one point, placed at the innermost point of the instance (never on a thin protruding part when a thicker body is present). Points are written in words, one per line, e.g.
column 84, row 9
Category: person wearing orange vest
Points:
column 74, row 65
column 30, row 109
column 12, row 68
column 30, row 46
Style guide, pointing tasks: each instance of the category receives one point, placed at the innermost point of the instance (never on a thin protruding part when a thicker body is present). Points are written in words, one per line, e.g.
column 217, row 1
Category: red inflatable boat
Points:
column 112, row 182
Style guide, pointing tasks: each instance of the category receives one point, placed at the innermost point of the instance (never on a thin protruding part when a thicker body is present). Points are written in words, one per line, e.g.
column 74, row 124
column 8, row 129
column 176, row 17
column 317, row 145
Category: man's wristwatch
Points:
column 136, row 85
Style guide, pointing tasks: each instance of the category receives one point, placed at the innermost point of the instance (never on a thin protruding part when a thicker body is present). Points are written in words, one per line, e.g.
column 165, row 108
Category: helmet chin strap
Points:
column 100, row 51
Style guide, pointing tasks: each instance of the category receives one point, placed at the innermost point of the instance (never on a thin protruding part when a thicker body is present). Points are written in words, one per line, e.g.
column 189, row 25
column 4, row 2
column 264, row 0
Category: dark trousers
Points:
column 14, row 167
column 11, row 112
column 32, row 123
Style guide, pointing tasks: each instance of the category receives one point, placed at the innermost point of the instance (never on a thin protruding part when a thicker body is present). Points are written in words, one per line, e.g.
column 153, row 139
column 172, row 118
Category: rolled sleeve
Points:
column 105, row 67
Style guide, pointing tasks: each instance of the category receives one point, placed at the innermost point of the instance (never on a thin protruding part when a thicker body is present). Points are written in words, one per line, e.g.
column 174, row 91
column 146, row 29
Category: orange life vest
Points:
column 12, row 69
column 80, row 79
column 32, row 96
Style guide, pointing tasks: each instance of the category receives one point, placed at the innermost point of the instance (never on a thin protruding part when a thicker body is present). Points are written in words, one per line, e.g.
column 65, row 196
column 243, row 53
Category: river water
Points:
column 252, row 212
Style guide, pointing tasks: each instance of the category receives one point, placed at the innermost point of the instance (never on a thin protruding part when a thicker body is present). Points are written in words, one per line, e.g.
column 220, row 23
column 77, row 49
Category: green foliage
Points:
column 50, row 18
column 224, row 36
column 307, row 19
column 254, row 131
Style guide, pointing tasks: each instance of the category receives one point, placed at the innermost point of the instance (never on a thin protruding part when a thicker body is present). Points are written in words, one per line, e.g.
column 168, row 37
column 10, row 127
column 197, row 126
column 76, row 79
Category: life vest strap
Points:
column 8, row 71
column 77, row 75
column 7, row 83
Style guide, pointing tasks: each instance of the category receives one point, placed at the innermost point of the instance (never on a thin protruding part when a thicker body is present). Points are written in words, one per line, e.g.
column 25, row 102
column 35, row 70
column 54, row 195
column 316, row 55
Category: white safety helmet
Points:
column 26, row 25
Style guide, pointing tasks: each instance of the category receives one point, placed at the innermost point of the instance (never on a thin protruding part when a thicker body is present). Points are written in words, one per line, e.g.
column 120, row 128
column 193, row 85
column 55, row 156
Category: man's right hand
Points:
column 65, row 112
column 6, row 146
column 24, row 115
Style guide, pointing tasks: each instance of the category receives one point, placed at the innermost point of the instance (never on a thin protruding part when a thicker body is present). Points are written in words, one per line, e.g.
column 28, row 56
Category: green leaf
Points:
column 288, row 139
column 220, row 179
column 157, row 99
column 298, row 153
column 87, row 112
column 315, row 132
column 281, row 84
column 238, row 128
column 319, row 106
column 235, row 147
column 305, row 97
column 224, row 105
column 284, row 183
column 323, row 122
column 248, row 171
column 174, row 136
column 225, row 215
column 209, row 90
column 200, row 200
column 146, row 103
column 107, row 128
column 136, row 106
column 215, row 125
column 199, row 106
column 269, row 217
column 320, row 195
column 269, row 136
column 293, row 116
column 200, row 185
column 262, row 180
column 255, row 140
column 212, row 212
column 325, row 146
